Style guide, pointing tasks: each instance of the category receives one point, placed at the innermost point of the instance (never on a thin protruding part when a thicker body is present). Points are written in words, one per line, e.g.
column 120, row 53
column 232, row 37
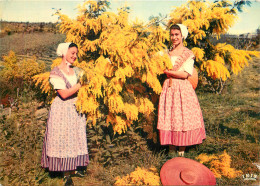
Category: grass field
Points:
column 231, row 121
column 39, row 44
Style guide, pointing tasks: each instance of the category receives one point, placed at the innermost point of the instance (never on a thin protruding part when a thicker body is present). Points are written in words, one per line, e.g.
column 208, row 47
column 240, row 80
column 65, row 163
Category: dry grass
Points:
column 232, row 122
column 39, row 44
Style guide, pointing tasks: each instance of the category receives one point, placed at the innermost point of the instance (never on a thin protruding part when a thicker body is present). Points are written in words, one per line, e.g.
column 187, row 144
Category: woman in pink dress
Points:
column 65, row 143
column 180, row 121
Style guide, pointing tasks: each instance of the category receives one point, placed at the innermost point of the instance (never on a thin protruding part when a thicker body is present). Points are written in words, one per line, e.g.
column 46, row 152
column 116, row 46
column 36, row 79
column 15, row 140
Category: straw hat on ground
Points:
column 184, row 171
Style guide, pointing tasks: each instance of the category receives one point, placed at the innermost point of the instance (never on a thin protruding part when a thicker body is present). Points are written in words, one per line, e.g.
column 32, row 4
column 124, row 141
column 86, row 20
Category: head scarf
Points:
column 184, row 30
column 63, row 49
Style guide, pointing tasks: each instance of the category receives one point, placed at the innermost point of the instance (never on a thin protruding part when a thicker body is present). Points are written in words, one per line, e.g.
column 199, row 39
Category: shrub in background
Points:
column 16, row 77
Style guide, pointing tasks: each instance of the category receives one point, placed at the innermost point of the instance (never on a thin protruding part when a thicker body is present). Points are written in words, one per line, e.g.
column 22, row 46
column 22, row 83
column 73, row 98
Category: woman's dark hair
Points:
column 175, row 27
column 73, row 45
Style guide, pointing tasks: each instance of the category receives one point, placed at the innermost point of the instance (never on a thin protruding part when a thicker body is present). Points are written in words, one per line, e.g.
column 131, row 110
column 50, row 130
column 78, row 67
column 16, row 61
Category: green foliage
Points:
column 109, row 148
column 21, row 144
column 107, row 174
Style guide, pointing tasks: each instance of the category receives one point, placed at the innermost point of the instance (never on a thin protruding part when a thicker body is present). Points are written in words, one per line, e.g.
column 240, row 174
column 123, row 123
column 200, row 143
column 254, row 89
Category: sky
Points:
column 42, row 10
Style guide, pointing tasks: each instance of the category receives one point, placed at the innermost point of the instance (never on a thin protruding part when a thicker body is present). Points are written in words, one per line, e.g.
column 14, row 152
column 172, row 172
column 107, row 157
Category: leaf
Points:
column 108, row 139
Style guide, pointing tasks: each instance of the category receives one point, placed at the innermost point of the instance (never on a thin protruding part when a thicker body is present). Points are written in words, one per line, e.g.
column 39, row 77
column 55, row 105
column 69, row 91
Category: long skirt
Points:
column 65, row 142
column 180, row 120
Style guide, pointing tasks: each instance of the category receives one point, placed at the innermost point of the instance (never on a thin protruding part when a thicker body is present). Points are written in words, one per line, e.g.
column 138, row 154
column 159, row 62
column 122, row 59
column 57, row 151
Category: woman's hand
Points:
column 83, row 80
column 78, row 85
column 65, row 93
column 176, row 74
column 167, row 72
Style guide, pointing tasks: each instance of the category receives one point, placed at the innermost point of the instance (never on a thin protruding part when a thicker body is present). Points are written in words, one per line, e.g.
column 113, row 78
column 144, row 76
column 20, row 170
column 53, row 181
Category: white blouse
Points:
column 187, row 66
column 59, row 83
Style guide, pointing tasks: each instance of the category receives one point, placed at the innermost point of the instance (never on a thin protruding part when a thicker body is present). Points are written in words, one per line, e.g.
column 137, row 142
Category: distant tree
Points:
column 41, row 29
column 257, row 39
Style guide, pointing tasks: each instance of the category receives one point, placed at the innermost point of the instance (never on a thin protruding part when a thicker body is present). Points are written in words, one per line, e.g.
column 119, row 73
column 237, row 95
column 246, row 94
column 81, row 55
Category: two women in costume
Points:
column 180, row 120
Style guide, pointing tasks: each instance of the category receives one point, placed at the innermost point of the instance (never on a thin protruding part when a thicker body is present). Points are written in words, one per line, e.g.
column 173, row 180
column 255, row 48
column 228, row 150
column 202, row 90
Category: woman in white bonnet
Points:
column 180, row 120
column 65, row 143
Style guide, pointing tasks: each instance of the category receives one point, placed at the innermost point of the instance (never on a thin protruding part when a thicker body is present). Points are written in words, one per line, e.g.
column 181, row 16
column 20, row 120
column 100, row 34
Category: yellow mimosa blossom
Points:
column 140, row 176
column 198, row 52
column 219, row 165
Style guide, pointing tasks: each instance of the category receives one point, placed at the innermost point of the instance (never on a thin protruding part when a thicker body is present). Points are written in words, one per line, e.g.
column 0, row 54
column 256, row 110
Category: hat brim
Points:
column 171, row 170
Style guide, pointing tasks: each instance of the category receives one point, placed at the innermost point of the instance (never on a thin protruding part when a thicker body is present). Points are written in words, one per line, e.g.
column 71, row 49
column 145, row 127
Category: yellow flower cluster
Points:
column 131, row 111
column 215, row 69
column 115, row 103
column 30, row 67
column 20, row 70
column 140, row 176
column 145, row 106
column 238, row 59
column 219, row 165
column 198, row 52
column 43, row 80
column 199, row 16
column 119, row 125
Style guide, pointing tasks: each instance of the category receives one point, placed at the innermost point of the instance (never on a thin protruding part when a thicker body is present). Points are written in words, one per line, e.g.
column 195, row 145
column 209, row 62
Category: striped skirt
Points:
column 182, row 138
column 62, row 164
column 180, row 120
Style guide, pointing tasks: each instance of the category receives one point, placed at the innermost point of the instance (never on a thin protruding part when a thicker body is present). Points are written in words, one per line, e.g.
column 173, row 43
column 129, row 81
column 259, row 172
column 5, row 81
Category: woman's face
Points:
column 72, row 54
column 176, row 36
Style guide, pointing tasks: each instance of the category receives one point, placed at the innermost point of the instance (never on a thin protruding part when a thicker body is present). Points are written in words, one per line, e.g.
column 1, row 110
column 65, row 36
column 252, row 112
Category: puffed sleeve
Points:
column 188, row 66
column 57, row 83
